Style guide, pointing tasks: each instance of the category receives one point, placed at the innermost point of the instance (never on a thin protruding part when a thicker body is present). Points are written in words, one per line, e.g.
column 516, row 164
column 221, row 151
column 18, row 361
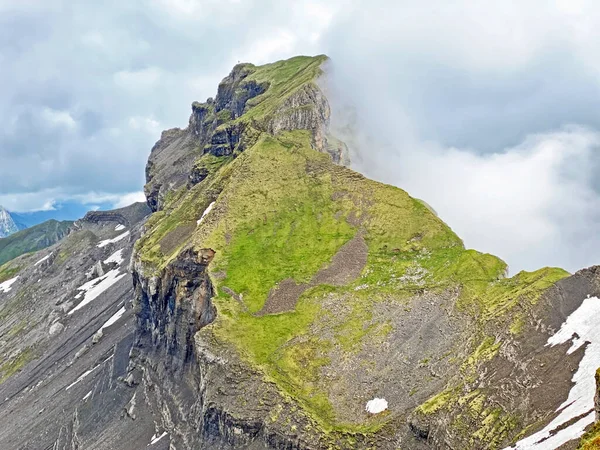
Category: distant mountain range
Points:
column 11, row 222
column 33, row 239
column 22, row 233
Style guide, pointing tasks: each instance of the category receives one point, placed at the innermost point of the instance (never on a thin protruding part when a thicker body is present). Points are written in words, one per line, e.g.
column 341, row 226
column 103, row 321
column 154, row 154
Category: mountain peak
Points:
column 8, row 225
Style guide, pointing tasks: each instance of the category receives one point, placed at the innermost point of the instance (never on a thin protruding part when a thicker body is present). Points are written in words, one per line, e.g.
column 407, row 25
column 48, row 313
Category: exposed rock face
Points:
column 170, row 310
column 173, row 307
column 169, row 164
column 309, row 109
column 235, row 90
column 126, row 217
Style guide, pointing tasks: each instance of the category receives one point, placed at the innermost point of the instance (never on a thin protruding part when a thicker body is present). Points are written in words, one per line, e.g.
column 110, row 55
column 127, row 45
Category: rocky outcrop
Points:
column 169, row 163
column 235, row 90
column 127, row 216
column 308, row 109
column 173, row 307
column 219, row 128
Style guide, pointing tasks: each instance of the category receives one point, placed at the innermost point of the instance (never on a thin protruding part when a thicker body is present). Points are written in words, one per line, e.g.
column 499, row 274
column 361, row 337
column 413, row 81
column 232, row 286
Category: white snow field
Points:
column 7, row 285
column 113, row 240
column 92, row 289
column 580, row 327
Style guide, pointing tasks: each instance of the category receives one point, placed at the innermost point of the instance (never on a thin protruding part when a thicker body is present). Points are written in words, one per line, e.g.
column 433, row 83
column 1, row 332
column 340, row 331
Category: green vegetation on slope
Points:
column 284, row 78
column 591, row 440
column 8, row 271
column 32, row 239
column 11, row 366
column 282, row 211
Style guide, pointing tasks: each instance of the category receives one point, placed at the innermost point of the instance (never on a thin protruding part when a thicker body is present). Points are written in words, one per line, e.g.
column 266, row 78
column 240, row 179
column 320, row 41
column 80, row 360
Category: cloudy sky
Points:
column 489, row 111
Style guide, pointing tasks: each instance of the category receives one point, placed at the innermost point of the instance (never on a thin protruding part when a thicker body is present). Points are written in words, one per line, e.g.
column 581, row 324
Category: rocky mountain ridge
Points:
column 276, row 296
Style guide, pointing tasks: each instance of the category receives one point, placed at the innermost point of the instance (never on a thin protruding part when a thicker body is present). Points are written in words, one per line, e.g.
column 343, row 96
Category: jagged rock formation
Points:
column 7, row 224
column 249, row 101
column 128, row 216
column 274, row 294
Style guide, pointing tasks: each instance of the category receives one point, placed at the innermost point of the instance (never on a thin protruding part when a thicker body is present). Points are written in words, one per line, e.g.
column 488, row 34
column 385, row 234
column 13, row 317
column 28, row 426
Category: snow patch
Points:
column 81, row 377
column 376, row 405
column 579, row 328
column 113, row 319
column 86, row 373
column 116, row 257
column 156, row 438
column 7, row 285
column 88, row 395
column 119, row 227
column 206, row 211
column 113, row 240
column 92, row 289
column 45, row 258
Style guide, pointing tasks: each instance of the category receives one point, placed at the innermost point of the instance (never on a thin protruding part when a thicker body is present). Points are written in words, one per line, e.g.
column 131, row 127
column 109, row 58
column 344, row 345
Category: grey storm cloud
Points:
column 486, row 110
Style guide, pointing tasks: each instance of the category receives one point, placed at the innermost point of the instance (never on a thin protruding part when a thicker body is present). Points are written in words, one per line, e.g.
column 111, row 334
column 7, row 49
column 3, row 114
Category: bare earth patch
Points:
column 345, row 267
column 175, row 238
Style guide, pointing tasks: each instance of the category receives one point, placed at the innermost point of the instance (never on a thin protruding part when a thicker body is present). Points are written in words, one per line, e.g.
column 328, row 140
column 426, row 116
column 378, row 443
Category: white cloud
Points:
column 47, row 199
column 145, row 124
column 468, row 106
column 29, row 201
column 56, row 118
column 118, row 200
column 93, row 39
column 221, row 11
column 270, row 48
column 138, row 80
column 128, row 199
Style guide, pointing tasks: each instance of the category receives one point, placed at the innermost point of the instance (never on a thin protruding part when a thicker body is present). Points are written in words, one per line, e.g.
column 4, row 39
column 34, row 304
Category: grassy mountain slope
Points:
column 318, row 269
column 32, row 239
